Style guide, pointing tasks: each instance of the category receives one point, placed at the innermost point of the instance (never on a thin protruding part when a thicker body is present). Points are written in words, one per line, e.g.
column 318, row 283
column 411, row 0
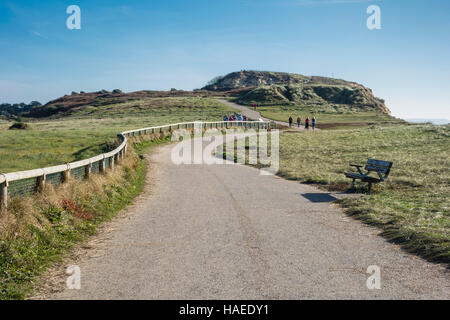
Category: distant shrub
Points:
column 19, row 126
column 117, row 91
column 215, row 80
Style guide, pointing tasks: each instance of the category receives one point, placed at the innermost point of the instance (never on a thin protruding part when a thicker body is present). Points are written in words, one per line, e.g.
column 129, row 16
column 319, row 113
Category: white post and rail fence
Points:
column 23, row 183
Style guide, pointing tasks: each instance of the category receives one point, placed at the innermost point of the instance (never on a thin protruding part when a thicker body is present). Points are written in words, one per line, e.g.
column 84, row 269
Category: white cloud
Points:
column 38, row 34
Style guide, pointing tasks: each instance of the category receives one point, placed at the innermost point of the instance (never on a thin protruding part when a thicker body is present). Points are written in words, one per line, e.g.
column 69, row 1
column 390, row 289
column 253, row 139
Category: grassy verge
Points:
column 412, row 206
column 37, row 231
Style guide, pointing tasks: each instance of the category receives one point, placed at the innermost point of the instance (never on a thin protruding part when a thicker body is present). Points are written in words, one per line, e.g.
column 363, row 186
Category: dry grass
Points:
column 37, row 230
column 23, row 212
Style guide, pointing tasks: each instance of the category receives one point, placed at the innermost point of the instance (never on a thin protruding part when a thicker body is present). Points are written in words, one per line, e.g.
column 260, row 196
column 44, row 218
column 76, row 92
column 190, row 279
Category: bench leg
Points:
column 370, row 186
column 353, row 185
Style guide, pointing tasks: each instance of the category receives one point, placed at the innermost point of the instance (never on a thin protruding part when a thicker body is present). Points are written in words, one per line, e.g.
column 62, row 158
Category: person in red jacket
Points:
column 307, row 123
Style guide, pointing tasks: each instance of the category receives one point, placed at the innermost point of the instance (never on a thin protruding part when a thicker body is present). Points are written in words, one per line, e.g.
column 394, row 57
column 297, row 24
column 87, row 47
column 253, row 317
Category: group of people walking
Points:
column 308, row 122
column 235, row 117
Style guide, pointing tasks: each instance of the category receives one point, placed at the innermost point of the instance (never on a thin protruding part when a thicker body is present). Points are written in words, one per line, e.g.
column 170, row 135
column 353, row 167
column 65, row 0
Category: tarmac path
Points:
column 227, row 232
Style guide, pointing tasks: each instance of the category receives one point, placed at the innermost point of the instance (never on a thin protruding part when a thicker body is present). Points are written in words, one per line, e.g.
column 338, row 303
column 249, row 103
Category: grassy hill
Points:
column 276, row 88
column 76, row 131
column 116, row 103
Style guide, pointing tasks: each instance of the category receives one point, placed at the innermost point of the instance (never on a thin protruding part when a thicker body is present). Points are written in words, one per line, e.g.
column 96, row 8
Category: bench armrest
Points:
column 357, row 167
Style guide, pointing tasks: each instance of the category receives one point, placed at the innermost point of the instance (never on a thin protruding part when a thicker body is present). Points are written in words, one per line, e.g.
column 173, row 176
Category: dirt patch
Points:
column 342, row 124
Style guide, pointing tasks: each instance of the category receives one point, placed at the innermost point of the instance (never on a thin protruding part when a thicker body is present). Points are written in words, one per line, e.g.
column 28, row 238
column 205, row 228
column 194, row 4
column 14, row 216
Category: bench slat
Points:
column 376, row 169
column 379, row 163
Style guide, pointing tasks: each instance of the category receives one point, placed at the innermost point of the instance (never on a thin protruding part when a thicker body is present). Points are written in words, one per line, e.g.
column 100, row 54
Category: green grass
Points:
column 328, row 115
column 90, row 132
column 412, row 206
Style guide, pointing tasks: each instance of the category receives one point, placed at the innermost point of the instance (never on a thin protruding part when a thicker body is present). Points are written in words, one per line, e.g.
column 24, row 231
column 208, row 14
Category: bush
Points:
column 19, row 126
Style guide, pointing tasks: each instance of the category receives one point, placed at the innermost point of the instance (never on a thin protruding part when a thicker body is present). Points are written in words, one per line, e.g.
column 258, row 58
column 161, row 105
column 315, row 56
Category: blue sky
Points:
column 134, row 45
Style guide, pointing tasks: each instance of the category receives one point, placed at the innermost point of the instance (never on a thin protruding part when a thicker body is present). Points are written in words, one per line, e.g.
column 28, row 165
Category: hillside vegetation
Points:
column 276, row 88
column 116, row 103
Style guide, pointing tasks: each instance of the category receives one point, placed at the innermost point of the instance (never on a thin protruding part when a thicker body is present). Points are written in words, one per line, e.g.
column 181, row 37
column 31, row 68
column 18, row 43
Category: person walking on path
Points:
column 307, row 123
column 313, row 122
column 290, row 121
column 299, row 121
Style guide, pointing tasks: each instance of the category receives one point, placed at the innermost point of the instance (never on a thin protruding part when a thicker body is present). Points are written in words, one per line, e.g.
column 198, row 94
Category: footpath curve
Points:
column 253, row 114
column 227, row 232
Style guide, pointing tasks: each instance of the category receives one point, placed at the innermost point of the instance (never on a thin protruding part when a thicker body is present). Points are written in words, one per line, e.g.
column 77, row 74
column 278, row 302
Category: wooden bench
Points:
column 380, row 167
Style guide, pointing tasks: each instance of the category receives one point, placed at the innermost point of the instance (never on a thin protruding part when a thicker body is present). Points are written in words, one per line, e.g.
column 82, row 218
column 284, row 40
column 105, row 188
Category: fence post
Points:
column 41, row 181
column 66, row 174
column 102, row 165
column 88, row 170
column 4, row 194
column 111, row 163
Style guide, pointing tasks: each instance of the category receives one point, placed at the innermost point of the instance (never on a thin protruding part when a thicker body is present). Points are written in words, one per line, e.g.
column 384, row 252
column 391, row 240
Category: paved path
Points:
column 226, row 232
column 255, row 115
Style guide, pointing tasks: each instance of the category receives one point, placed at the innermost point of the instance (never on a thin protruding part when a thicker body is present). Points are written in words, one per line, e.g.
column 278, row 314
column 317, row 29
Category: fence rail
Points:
column 24, row 183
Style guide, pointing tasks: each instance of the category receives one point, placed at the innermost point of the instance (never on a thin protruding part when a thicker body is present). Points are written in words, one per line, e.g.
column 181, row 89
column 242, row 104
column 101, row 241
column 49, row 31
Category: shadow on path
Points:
column 319, row 197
